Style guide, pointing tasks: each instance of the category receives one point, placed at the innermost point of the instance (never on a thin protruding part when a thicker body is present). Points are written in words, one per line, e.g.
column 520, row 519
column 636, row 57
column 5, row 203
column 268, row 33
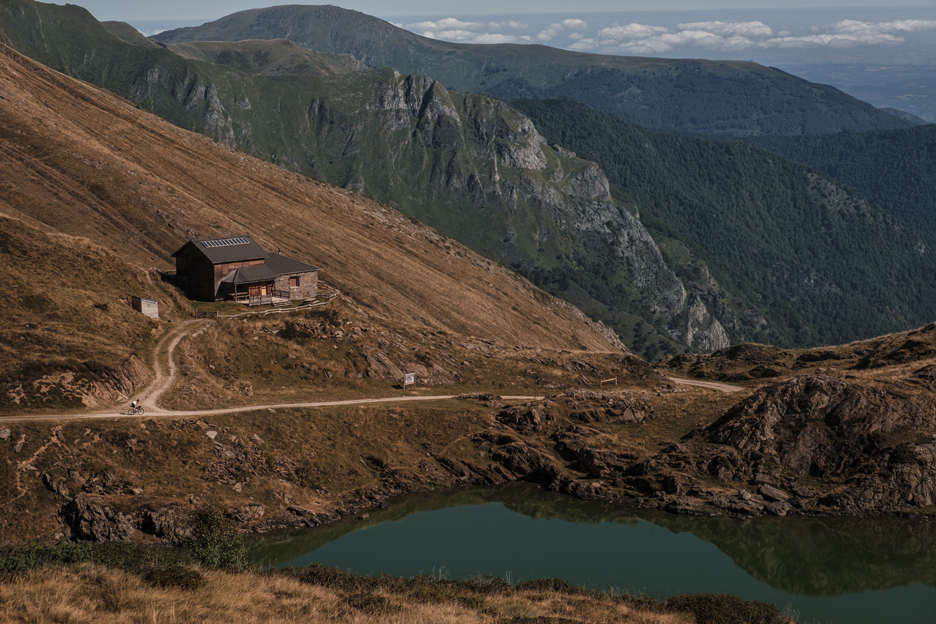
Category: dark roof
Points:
column 227, row 249
column 274, row 266
column 282, row 265
column 251, row 275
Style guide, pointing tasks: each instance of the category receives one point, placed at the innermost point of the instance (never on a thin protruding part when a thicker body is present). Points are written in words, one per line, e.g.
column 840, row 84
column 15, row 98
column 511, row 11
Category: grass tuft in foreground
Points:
column 134, row 583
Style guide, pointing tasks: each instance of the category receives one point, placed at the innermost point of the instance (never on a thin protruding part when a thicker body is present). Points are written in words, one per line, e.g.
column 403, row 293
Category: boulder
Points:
column 523, row 418
column 90, row 519
column 777, row 508
column 248, row 513
column 771, row 493
column 169, row 523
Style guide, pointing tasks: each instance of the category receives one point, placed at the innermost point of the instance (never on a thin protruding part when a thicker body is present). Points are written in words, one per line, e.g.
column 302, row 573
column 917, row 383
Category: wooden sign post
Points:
column 409, row 379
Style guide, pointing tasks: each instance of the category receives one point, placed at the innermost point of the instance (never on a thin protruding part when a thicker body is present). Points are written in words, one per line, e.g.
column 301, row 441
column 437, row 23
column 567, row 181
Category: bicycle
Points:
column 135, row 410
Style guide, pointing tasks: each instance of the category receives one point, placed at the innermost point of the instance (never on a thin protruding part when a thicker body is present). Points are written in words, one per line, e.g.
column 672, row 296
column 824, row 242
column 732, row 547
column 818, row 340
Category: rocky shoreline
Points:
column 814, row 445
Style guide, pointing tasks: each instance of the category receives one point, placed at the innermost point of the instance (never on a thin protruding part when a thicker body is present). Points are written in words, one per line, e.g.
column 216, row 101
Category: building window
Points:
column 294, row 282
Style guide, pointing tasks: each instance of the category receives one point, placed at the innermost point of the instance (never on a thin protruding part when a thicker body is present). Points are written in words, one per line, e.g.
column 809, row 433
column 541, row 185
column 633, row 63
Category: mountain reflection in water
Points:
column 813, row 557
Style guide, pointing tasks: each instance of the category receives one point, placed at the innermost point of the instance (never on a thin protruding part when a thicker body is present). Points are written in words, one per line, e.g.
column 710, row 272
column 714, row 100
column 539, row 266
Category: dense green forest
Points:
column 896, row 169
column 702, row 101
column 782, row 237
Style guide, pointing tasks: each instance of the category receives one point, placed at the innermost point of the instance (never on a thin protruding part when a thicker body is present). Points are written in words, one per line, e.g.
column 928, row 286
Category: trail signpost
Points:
column 409, row 379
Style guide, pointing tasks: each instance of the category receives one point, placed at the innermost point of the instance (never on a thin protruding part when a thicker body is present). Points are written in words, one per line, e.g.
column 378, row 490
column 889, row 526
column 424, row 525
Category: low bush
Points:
column 173, row 577
column 215, row 542
column 371, row 604
column 723, row 609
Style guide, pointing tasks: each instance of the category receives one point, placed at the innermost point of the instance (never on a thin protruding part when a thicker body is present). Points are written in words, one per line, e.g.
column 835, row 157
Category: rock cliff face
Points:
column 467, row 164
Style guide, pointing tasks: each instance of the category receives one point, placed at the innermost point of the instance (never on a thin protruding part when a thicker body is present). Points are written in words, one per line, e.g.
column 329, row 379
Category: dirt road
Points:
column 165, row 369
column 158, row 413
column 711, row 385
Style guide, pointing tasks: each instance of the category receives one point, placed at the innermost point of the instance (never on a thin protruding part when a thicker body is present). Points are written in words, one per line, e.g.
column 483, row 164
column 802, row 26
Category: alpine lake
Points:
column 817, row 570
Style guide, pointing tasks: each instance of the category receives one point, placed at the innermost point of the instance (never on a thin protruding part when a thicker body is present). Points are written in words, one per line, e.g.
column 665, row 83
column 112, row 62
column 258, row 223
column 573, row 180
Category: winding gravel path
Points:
column 164, row 378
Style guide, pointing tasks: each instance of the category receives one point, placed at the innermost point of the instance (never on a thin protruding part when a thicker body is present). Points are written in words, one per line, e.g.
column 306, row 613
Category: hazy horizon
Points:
column 884, row 55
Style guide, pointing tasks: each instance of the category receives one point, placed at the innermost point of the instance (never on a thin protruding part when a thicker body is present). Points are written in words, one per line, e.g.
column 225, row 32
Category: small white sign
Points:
column 410, row 378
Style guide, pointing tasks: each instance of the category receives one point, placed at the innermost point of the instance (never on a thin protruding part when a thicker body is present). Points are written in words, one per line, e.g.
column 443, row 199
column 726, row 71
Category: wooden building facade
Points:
column 235, row 267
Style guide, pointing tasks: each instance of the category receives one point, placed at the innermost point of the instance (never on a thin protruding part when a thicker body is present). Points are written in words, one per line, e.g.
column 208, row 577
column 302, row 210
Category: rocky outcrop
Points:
column 90, row 384
column 825, row 427
column 168, row 92
column 89, row 518
column 525, row 418
column 703, row 332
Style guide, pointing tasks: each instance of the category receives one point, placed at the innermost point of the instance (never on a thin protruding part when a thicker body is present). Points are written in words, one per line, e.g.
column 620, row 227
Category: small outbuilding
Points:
column 148, row 307
column 236, row 267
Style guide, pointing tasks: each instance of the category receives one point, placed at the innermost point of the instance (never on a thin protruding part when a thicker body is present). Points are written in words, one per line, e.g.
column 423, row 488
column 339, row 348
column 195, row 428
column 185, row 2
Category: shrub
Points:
column 173, row 577
column 215, row 542
column 722, row 609
column 371, row 604
column 292, row 332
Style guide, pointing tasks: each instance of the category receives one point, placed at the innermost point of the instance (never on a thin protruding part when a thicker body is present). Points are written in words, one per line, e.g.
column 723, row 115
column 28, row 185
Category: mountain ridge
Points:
column 717, row 97
column 480, row 171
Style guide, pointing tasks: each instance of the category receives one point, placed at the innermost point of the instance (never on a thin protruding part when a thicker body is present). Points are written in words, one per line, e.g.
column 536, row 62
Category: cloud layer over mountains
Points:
column 653, row 39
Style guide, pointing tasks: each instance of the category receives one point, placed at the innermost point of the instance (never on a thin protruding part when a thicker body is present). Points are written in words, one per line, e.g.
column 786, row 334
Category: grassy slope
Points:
column 155, row 184
column 345, row 128
column 727, row 97
column 98, row 593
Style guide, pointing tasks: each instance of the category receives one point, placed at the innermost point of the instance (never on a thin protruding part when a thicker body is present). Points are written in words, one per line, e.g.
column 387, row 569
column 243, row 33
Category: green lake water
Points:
column 848, row 571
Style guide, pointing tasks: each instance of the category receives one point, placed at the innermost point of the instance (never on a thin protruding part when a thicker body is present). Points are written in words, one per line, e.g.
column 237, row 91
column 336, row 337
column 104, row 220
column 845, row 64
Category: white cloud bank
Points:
column 738, row 36
column 453, row 29
column 649, row 39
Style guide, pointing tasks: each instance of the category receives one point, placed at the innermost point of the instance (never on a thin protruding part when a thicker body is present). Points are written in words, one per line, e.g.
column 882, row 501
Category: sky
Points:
column 849, row 30
column 883, row 54
column 136, row 10
column 713, row 34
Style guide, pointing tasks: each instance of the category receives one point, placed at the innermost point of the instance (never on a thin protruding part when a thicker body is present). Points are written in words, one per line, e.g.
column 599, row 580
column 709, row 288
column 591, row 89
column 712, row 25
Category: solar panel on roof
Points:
column 224, row 242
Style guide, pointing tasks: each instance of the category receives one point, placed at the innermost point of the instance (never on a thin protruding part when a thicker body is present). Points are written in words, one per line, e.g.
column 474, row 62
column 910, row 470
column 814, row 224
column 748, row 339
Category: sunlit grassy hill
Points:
column 80, row 162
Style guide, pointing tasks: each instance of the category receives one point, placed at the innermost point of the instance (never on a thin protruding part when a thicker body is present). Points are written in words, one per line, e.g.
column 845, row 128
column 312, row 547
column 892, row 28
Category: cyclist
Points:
column 135, row 405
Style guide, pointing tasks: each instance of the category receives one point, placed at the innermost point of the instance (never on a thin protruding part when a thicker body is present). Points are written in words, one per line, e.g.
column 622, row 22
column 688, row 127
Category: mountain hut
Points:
column 236, row 267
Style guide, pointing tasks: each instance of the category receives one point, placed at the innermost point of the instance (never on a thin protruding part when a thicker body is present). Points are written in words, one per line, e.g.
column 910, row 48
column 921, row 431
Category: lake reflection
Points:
column 830, row 570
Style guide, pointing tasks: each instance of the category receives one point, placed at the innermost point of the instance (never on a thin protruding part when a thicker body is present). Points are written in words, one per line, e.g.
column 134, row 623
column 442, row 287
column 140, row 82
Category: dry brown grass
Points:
column 107, row 596
column 78, row 160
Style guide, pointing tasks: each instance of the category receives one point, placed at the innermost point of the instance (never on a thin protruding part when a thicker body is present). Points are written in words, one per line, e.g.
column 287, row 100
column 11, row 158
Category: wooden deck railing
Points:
column 275, row 298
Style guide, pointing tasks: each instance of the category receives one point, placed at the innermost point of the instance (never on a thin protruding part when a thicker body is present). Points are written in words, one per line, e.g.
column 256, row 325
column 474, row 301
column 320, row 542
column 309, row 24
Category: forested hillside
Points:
column 895, row 169
column 772, row 231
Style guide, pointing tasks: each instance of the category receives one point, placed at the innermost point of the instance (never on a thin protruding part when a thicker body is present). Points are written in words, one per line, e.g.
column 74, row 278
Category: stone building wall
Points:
column 308, row 285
